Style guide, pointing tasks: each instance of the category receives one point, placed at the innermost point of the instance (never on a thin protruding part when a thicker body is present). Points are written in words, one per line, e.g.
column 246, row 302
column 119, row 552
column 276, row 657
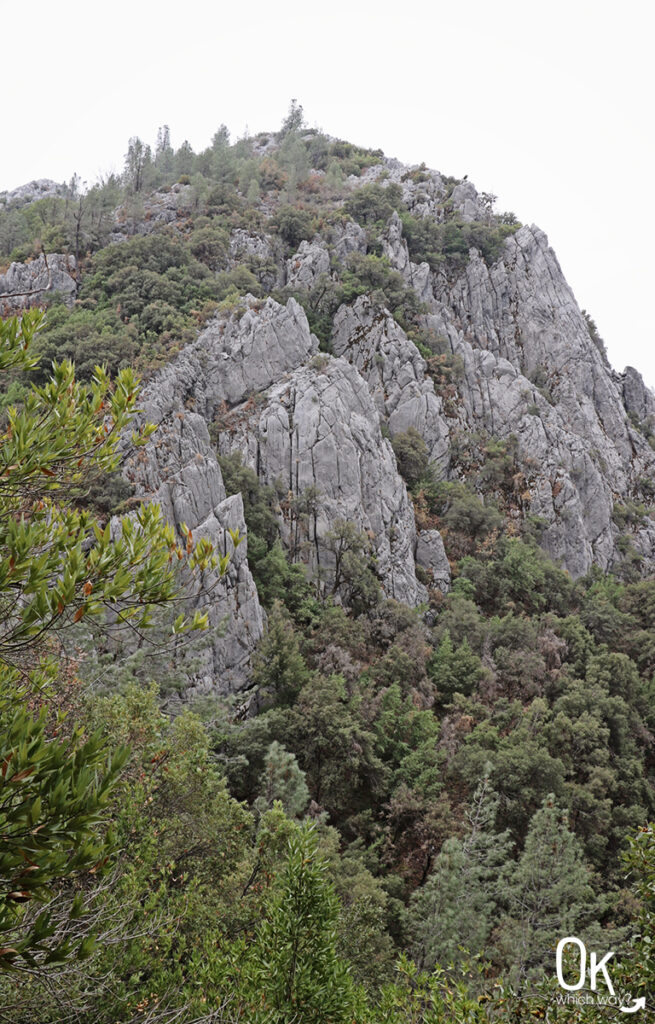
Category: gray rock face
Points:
column 26, row 284
column 394, row 371
column 160, row 209
column 40, row 188
column 531, row 369
column 318, row 434
column 232, row 358
column 348, row 237
column 261, row 252
column 423, row 189
column 464, row 198
column 312, row 427
column 179, row 471
column 518, row 322
column 311, row 260
column 394, row 247
column 430, row 554
column 637, row 398
column 309, row 424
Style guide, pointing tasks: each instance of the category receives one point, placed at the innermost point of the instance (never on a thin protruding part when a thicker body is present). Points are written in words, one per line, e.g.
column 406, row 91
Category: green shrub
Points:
column 373, row 204
column 412, row 456
column 629, row 514
column 373, row 275
column 209, row 244
column 293, row 225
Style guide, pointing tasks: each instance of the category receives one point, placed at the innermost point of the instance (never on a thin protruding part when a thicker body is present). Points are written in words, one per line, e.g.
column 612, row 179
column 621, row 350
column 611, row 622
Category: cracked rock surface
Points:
column 178, row 467
column 260, row 252
column 311, row 260
column 431, row 555
column 320, row 430
column 311, row 424
column 232, row 358
column 533, row 370
column 26, row 284
column 394, row 371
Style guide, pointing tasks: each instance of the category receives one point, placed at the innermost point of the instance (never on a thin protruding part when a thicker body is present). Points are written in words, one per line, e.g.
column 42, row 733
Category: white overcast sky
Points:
column 549, row 106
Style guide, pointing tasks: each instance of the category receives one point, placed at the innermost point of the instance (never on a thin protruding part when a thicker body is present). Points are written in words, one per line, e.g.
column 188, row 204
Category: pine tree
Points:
column 183, row 159
column 454, row 670
column 283, row 780
column 453, row 914
column 58, row 565
column 222, row 160
column 295, row 119
column 549, row 892
column 334, row 175
column 296, row 972
column 279, row 668
column 164, row 153
column 138, row 161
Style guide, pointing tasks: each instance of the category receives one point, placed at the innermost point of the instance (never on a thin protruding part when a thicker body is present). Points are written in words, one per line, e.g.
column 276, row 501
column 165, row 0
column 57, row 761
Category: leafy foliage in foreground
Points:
column 58, row 565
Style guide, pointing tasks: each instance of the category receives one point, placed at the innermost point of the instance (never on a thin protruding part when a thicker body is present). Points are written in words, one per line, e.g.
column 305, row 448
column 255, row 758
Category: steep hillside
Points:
column 430, row 660
column 432, row 314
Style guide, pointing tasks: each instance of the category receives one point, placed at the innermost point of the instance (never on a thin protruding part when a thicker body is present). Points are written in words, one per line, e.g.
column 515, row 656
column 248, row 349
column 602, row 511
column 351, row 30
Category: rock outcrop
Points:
column 40, row 188
column 178, row 469
column 304, row 421
column 530, row 368
column 430, row 555
column 232, row 358
column 465, row 201
column 28, row 284
column 423, row 190
column 347, row 237
column 163, row 208
column 521, row 363
column 260, row 253
column 311, row 260
column 639, row 401
column 533, row 370
column 394, row 371
column 318, row 433
column 394, row 247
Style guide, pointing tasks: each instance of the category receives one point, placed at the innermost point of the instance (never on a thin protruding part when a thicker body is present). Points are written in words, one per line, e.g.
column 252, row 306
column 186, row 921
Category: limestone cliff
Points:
column 29, row 284
column 491, row 346
column 317, row 424
column 318, row 431
column 298, row 417
column 533, row 370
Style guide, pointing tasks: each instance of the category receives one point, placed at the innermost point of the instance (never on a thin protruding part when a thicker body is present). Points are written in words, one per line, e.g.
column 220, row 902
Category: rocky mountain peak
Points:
column 39, row 188
column 373, row 317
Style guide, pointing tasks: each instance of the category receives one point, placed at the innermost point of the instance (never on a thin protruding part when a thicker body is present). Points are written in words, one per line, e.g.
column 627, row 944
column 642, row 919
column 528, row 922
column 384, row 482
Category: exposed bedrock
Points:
column 232, row 358
column 394, row 370
column 531, row 368
column 178, row 467
column 318, row 432
column 28, row 284
column 305, row 266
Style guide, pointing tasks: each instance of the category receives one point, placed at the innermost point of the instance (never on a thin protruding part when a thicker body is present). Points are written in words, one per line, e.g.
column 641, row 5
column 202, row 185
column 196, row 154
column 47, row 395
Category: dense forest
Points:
column 411, row 806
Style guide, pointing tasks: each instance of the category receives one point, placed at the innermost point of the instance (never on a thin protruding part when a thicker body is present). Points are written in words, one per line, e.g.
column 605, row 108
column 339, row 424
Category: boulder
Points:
column 311, row 260
column 28, row 284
